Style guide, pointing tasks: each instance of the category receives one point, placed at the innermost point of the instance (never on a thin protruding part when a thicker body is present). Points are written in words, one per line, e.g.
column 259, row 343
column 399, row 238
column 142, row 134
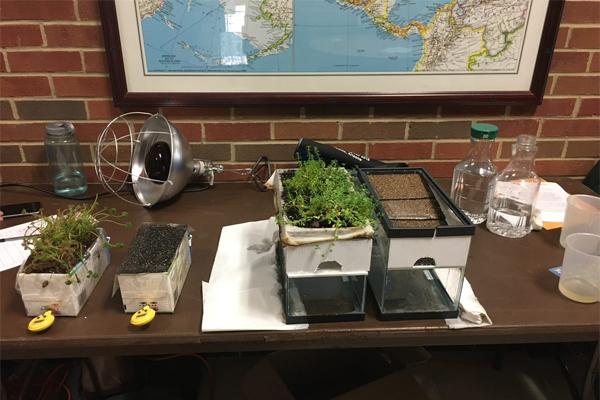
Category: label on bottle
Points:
column 521, row 191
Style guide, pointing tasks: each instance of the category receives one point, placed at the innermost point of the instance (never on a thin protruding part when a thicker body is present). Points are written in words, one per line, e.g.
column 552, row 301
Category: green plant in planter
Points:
column 318, row 195
column 62, row 240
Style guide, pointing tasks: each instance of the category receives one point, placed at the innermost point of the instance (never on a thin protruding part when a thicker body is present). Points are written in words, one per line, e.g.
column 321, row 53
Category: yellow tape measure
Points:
column 143, row 316
column 41, row 322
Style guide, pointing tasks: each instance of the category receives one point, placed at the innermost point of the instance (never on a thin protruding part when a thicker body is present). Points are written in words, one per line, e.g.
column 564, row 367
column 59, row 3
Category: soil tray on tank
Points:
column 421, row 247
column 155, row 268
column 411, row 203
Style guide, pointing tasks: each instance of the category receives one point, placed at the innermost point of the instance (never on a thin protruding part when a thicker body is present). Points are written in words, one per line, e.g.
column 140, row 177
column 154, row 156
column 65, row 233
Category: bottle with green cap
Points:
column 473, row 176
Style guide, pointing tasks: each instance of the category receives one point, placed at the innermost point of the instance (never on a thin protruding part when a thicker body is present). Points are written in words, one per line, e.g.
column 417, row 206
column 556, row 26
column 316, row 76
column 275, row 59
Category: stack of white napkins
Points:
column 471, row 313
column 243, row 292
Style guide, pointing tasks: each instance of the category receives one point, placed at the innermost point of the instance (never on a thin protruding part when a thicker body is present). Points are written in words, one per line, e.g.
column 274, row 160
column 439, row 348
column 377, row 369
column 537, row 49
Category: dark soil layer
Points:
column 52, row 267
column 399, row 186
column 153, row 248
column 411, row 223
column 407, row 200
column 410, row 209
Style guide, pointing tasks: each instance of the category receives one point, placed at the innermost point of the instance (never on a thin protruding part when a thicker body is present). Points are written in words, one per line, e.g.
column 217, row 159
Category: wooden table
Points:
column 510, row 277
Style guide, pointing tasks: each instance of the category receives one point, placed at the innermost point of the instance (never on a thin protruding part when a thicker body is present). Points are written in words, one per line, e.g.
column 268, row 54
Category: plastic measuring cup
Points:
column 580, row 276
column 582, row 216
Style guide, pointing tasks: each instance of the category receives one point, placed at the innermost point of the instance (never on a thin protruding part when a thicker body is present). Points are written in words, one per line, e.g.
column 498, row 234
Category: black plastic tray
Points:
column 465, row 229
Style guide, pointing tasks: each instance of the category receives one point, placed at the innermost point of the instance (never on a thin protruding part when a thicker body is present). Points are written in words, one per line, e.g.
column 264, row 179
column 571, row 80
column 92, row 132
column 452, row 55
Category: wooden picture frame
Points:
column 125, row 95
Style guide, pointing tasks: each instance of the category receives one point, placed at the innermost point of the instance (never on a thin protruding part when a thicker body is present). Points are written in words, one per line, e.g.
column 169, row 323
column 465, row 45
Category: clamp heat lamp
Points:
column 157, row 159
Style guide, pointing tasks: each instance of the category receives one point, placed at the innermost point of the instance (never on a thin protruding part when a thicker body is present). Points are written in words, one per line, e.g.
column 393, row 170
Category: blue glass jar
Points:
column 64, row 156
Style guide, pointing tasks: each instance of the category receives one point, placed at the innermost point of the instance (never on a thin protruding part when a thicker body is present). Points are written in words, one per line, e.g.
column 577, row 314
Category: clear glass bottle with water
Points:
column 515, row 191
column 64, row 156
column 472, row 177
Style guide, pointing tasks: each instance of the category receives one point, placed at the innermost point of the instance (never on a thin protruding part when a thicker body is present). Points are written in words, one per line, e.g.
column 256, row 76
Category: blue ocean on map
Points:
column 328, row 37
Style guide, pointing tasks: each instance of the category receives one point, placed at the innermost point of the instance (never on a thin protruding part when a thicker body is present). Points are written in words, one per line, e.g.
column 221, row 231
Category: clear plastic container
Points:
column 514, row 192
column 64, row 156
column 582, row 216
column 580, row 276
column 473, row 176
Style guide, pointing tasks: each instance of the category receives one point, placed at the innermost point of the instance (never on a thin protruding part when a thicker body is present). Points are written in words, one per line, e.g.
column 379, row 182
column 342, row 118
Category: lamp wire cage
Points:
column 119, row 161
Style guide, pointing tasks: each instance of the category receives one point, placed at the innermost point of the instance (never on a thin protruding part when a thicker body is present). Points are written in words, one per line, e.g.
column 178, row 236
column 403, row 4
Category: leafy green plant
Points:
column 61, row 241
column 318, row 195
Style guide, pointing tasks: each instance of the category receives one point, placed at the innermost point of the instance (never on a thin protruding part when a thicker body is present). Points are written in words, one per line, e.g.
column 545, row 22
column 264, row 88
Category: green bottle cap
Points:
column 480, row 130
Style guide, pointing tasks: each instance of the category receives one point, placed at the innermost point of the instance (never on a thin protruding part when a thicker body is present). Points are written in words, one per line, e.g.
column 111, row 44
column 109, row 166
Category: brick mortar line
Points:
column 76, row 10
column 589, row 62
column 22, row 152
column 98, row 98
column 553, row 84
column 453, row 160
column 568, row 38
column 87, row 109
column 583, row 25
column 311, row 121
column 577, row 50
column 576, row 108
column 365, row 142
column 563, row 153
column 44, row 36
column 46, row 49
column 14, row 110
column 43, row 21
column 58, row 74
column 232, row 154
column 70, row 23
column 53, row 88
column 561, row 74
column 6, row 64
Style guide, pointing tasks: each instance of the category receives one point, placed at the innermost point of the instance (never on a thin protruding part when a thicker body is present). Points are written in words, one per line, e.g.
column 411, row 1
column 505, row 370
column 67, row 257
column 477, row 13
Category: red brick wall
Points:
column 52, row 67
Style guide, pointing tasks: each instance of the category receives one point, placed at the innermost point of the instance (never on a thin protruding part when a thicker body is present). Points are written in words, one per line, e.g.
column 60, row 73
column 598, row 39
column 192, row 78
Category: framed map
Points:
column 198, row 52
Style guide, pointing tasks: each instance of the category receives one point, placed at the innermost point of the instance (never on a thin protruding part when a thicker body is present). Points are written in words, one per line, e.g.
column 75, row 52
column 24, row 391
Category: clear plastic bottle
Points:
column 514, row 193
column 472, row 177
column 64, row 156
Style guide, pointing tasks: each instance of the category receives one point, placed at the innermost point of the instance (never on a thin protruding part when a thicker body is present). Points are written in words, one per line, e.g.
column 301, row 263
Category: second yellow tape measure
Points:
column 41, row 322
column 143, row 316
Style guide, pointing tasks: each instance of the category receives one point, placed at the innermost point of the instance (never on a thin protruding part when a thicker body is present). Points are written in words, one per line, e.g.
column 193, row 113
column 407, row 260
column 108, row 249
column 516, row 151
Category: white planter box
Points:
column 322, row 251
column 159, row 290
column 64, row 294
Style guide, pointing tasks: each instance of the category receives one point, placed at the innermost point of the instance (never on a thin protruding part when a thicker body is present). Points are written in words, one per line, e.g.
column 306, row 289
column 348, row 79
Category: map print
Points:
column 332, row 36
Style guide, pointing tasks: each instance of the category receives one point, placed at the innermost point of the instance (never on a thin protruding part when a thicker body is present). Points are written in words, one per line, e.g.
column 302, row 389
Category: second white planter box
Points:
column 154, row 271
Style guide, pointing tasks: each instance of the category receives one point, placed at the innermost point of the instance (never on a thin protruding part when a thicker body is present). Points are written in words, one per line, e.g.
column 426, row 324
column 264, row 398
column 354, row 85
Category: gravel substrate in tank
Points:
column 399, row 186
column 153, row 248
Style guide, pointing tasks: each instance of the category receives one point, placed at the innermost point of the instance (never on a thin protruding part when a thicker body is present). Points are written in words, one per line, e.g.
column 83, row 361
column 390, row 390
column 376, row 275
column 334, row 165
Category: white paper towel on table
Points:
column 243, row 291
column 471, row 313
column 12, row 252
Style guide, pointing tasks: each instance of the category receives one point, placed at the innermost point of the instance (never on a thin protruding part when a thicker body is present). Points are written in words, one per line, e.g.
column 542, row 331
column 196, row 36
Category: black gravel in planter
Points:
column 153, row 248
